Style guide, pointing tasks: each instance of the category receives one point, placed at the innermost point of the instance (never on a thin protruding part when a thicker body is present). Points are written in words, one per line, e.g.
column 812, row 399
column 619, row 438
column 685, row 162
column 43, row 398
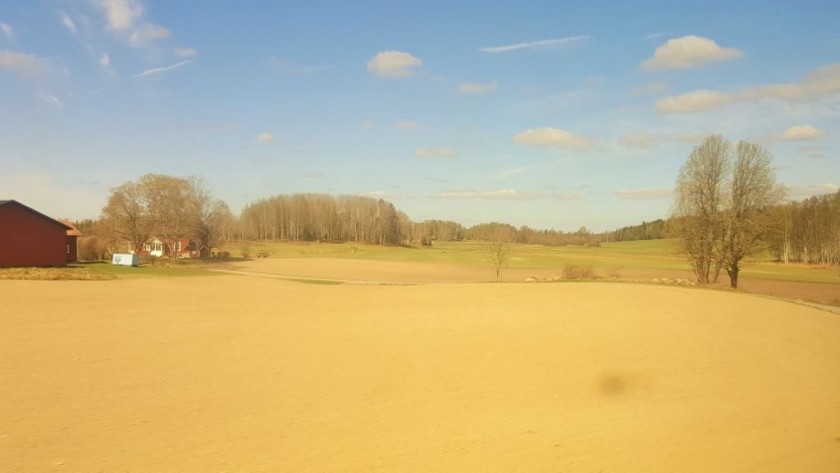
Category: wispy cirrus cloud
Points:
column 821, row 82
column 501, row 194
column 434, row 153
column 406, row 125
column 48, row 98
column 8, row 31
column 265, row 137
column 539, row 44
column 554, row 138
column 688, row 52
column 68, row 22
column 475, row 88
column 644, row 193
column 394, row 64
column 161, row 70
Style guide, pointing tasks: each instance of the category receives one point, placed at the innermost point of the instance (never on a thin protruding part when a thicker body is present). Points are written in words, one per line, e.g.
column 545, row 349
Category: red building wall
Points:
column 28, row 238
column 72, row 248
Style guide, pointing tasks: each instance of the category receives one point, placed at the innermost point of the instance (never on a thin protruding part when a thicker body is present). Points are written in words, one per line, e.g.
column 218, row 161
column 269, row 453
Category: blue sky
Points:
column 542, row 113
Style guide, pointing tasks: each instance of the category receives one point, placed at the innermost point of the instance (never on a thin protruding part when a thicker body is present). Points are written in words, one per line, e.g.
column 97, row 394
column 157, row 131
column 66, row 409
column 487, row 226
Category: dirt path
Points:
column 236, row 373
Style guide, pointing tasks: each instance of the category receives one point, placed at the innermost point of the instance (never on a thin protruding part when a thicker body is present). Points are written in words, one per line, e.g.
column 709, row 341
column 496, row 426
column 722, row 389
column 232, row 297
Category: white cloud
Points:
column 147, row 33
column 121, row 14
column 394, row 64
column 367, row 124
column 184, row 52
column 313, row 175
column 803, row 192
column 688, row 52
column 125, row 19
column 161, row 70
column 24, row 64
column 105, row 60
column 477, row 87
column 692, row 102
column 554, row 138
column 435, row 153
column 644, row 194
column 802, row 132
column 68, row 22
column 501, row 194
column 821, row 82
column 265, row 137
column 541, row 44
column 406, row 125
column 8, row 31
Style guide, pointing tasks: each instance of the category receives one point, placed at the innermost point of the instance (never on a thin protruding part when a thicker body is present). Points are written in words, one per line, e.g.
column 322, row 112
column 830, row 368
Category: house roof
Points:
column 34, row 212
column 73, row 231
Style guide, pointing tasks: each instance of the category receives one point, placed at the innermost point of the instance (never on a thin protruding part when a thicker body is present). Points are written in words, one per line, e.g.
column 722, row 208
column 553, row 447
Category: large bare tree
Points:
column 722, row 206
column 753, row 193
column 171, row 208
column 698, row 212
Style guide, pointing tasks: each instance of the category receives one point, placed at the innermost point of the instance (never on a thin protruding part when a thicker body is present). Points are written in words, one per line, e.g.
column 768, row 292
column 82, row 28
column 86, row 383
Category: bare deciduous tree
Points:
column 722, row 206
column 753, row 192
column 172, row 208
column 497, row 249
column 699, row 204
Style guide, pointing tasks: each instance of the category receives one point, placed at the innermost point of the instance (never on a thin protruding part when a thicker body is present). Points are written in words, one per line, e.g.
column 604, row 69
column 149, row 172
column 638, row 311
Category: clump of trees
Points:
column 322, row 217
column 725, row 196
column 167, row 207
column 807, row 231
column 654, row 230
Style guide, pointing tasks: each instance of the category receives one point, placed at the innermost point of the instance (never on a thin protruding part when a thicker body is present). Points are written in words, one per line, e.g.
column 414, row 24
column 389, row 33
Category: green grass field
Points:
column 657, row 255
column 654, row 256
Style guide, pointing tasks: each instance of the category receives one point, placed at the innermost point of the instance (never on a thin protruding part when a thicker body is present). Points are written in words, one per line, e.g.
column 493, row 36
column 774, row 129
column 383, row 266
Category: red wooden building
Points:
column 30, row 238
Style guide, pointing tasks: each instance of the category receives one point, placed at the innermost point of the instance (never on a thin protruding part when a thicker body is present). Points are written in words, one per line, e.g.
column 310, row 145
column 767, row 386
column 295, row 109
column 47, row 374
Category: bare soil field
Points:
column 414, row 273
column 252, row 374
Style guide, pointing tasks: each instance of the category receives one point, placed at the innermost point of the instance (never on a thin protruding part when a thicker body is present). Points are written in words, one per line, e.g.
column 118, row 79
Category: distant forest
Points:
column 807, row 231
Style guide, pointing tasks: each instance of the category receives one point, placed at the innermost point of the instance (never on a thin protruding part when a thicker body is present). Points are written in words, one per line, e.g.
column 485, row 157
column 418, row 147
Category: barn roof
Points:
column 73, row 231
column 34, row 212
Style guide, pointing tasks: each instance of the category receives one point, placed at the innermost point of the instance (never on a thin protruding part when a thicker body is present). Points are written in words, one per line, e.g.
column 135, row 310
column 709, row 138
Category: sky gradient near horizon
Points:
column 541, row 113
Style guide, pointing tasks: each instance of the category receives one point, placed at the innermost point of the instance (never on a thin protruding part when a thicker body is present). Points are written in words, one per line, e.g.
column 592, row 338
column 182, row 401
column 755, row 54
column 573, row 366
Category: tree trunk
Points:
column 733, row 275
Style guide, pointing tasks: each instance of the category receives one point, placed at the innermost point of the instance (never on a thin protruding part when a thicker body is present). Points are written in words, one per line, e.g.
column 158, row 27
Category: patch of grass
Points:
column 70, row 273
column 163, row 269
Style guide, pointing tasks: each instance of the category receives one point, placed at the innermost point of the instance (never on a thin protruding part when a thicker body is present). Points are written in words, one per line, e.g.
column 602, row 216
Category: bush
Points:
column 573, row 272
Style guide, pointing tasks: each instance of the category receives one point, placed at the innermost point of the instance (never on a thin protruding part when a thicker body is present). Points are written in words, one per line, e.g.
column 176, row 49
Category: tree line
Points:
column 807, row 231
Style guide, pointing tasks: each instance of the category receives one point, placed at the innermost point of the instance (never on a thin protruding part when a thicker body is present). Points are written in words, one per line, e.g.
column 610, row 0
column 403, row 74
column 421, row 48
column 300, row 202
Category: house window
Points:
column 178, row 246
column 68, row 249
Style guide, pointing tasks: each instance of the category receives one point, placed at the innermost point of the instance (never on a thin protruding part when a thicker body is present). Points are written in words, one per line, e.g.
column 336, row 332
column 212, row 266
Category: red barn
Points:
column 30, row 238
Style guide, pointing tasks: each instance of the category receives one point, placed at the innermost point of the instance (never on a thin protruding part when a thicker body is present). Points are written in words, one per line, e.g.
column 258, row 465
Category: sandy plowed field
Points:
column 247, row 374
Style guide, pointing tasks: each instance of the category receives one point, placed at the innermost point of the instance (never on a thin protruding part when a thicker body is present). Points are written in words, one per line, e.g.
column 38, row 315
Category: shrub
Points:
column 573, row 272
